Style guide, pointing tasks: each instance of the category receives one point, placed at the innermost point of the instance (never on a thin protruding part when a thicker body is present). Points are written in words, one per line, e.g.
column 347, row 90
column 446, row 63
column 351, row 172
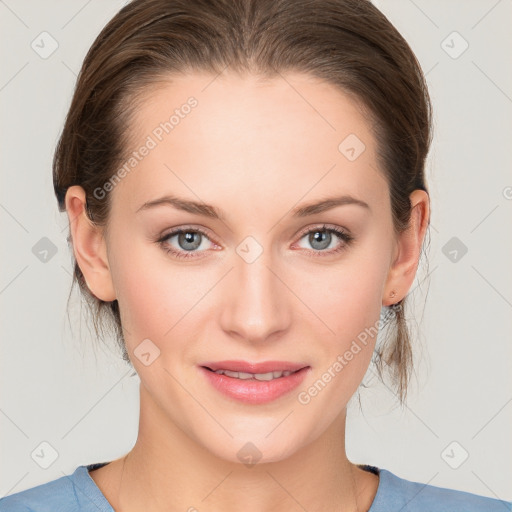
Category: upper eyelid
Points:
column 323, row 227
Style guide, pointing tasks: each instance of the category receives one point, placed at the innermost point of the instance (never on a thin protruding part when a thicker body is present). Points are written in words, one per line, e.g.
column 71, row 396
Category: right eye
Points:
column 188, row 241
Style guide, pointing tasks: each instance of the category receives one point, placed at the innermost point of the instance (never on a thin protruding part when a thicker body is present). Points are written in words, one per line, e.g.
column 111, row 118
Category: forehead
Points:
column 249, row 138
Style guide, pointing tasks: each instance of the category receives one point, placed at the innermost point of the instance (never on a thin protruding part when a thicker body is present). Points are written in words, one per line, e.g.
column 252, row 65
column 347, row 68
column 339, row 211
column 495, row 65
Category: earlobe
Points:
column 89, row 246
column 408, row 250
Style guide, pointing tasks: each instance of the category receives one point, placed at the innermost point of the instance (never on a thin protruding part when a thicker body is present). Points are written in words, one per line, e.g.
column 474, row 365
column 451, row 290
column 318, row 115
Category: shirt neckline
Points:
column 100, row 500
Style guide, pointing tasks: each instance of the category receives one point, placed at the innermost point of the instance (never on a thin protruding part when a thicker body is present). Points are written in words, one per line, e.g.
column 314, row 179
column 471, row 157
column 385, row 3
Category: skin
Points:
column 256, row 150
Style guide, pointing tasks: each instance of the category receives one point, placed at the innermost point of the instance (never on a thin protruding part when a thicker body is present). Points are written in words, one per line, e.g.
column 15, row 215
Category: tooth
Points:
column 244, row 375
column 264, row 376
column 286, row 373
column 231, row 374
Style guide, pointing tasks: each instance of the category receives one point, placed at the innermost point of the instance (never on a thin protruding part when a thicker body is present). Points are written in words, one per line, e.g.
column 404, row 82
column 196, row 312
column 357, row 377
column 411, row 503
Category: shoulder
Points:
column 69, row 493
column 396, row 493
column 52, row 495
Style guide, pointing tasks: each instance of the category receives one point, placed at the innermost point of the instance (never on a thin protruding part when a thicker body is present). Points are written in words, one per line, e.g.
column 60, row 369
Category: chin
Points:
column 258, row 451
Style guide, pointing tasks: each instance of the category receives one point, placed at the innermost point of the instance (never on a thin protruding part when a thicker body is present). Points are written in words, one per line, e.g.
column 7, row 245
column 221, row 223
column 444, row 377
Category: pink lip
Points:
column 244, row 366
column 254, row 391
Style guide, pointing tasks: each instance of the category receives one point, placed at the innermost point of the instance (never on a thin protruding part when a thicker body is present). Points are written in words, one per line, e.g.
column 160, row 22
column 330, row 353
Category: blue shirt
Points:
column 79, row 492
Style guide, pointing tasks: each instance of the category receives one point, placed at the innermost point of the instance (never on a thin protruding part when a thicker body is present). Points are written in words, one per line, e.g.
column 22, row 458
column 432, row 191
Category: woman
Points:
column 245, row 187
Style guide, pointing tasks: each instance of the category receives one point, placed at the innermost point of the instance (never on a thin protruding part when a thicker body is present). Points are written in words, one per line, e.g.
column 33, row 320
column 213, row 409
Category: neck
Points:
column 168, row 470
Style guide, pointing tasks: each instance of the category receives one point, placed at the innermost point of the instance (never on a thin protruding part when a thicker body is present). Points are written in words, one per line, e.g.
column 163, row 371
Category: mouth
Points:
column 254, row 383
column 264, row 371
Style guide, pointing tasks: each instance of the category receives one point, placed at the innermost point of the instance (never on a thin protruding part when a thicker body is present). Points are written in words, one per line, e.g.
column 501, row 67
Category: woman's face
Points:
column 255, row 286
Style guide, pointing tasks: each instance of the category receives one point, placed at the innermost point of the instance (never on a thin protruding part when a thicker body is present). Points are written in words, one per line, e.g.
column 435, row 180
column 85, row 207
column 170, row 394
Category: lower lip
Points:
column 255, row 391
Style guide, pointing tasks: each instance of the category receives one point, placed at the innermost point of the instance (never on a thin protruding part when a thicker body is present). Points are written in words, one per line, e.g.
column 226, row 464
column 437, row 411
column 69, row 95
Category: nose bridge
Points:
column 256, row 304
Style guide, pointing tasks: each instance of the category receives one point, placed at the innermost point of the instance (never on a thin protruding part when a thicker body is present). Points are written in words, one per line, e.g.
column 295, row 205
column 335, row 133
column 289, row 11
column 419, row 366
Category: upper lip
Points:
column 244, row 366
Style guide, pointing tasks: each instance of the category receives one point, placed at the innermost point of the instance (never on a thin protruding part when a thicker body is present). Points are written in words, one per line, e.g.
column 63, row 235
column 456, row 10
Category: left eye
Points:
column 321, row 239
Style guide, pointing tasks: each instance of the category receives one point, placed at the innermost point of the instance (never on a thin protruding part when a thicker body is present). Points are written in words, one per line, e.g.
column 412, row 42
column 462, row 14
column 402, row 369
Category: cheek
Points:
column 155, row 295
column 351, row 308
column 144, row 288
column 347, row 297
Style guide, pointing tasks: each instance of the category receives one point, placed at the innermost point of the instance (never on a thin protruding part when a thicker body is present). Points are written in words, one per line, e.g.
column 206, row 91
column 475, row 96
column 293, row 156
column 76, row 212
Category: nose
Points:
column 255, row 301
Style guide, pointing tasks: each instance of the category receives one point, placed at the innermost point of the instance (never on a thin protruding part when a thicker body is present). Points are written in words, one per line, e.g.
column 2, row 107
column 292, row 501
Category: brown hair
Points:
column 348, row 43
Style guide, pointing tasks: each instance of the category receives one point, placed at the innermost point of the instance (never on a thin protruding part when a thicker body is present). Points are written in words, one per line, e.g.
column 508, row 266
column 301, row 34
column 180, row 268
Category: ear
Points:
column 89, row 246
column 408, row 250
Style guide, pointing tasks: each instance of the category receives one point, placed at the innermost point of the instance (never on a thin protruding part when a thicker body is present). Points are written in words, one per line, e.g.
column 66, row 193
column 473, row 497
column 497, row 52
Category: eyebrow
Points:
column 212, row 212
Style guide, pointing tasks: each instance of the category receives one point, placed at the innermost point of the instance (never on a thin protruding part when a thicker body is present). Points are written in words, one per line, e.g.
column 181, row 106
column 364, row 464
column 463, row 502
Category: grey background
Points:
column 57, row 389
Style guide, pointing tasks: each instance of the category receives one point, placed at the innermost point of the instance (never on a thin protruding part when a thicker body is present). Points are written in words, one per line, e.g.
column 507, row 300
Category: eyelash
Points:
column 345, row 237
